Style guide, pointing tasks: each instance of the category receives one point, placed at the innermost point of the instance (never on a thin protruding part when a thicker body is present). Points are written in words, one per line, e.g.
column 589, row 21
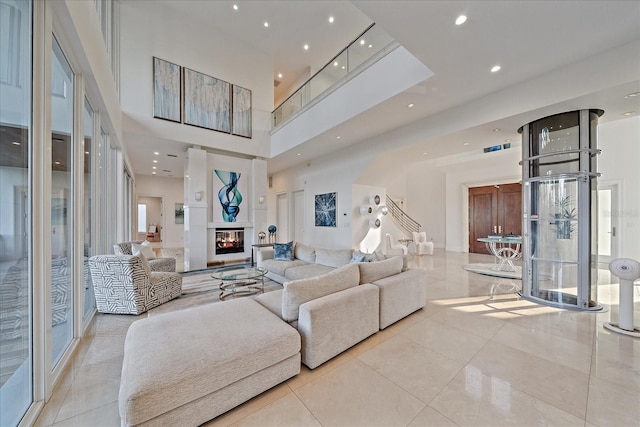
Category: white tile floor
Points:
column 467, row 358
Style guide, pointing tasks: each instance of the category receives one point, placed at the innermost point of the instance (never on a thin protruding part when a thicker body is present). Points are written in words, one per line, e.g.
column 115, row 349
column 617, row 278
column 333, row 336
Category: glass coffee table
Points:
column 240, row 282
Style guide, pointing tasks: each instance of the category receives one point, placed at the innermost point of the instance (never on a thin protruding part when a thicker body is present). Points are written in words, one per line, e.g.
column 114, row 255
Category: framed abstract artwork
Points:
column 179, row 213
column 206, row 101
column 229, row 189
column 325, row 210
column 241, row 107
column 166, row 90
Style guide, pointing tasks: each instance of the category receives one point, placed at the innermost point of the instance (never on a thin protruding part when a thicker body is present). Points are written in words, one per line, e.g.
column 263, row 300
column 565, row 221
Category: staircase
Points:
column 404, row 221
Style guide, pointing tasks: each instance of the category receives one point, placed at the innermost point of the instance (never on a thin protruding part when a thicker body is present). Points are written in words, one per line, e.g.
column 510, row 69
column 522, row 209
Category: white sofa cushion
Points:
column 304, row 271
column 305, row 253
column 333, row 257
column 298, row 292
column 372, row 271
column 279, row 267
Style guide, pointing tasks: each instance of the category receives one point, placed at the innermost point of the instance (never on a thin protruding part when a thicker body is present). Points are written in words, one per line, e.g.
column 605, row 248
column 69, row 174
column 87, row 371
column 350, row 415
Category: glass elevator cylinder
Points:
column 560, row 254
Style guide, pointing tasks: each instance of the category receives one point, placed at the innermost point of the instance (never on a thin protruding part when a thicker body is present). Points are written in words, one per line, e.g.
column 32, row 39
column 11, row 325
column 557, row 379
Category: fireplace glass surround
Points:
column 229, row 241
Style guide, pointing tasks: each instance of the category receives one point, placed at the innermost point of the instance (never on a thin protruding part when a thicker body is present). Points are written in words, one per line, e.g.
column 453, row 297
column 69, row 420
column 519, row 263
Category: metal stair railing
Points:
column 404, row 221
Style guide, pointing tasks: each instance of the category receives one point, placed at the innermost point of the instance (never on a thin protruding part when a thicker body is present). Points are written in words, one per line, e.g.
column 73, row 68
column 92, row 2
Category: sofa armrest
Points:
column 163, row 286
column 264, row 254
column 401, row 295
column 331, row 324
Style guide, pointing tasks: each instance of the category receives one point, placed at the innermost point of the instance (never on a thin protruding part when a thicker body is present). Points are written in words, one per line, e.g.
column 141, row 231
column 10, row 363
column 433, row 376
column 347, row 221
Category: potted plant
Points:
column 563, row 223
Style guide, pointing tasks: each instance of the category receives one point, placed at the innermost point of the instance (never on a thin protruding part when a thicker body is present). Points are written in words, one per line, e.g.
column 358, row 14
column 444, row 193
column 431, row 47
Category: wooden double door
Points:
column 494, row 209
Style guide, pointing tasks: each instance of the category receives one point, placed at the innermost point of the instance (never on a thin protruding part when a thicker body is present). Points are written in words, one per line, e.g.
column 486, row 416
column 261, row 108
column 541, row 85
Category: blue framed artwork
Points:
column 325, row 210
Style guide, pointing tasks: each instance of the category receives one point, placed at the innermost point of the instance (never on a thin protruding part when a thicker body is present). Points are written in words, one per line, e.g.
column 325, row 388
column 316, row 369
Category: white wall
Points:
column 172, row 192
column 159, row 30
column 620, row 162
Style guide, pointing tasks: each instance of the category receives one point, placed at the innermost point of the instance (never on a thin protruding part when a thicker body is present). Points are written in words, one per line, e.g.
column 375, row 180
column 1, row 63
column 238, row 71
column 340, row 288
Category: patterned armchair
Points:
column 156, row 264
column 123, row 286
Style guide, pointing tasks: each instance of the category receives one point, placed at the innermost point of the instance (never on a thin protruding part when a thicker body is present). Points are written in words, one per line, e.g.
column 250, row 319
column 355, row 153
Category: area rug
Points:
column 490, row 270
column 199, row 288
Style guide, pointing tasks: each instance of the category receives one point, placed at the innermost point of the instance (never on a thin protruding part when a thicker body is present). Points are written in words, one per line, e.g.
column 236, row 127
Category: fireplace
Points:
column 229, row 241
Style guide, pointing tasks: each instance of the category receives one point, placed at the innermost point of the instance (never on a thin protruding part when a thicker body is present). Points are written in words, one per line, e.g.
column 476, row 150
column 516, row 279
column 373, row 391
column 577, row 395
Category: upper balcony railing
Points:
column 373, row 44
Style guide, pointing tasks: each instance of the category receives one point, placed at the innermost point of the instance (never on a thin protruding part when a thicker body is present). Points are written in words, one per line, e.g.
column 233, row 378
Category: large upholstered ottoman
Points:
column 187, row 367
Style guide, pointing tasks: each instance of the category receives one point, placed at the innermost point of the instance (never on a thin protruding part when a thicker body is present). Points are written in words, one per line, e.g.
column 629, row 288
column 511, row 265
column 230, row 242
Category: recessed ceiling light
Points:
column 497, row 130
column 279, row 75
column 299, row 154
column 343, row 67
column 154, row 167
column 362, row 41
column 495, row 68
column 370, row 46
column 86, row 152
column 331, row 20
column 156, row 153
column 235, row 7
column 155, row 161
column 57, row 163
column 306, row 47
column 628, row 113
column 15, row 143
column 335, row 64
column 466, row 143
column 410, row 106
column 153, row 173
column 338, row 137
column 266, row 24
column 425, row 153
column 632, row 95
column 461, row 20
column 507, row 140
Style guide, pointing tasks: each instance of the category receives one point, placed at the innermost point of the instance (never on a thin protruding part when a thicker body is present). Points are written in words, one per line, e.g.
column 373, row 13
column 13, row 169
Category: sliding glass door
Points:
column 62, row 145
column 16, row 302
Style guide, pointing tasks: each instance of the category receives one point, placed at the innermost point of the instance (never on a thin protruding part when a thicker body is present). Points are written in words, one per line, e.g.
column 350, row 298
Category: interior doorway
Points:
column 298, row 215
column 494, row 209
column 608, row 218
column 150, row 218
column 282, row 206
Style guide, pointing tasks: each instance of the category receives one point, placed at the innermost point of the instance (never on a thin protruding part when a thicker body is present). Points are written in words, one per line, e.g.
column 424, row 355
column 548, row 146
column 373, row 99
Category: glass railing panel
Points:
column 331, row 74
column 370, row 46
column 367, row 46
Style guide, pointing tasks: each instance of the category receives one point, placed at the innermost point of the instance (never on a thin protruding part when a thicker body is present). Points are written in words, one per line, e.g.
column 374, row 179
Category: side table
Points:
column 259, row 245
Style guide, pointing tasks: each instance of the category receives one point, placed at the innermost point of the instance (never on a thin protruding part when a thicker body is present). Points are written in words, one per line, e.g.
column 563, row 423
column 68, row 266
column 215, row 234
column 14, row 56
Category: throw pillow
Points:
column 372, row 271
column 144, row 249
column 283, row 251
column 145, row 263
column 358, row 257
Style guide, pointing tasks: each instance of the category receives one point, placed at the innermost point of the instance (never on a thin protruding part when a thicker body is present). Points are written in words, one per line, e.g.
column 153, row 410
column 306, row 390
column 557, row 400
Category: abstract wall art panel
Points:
column 206, row 101
column 325, row 210
column 229, row 190
column 166, row 90
column 241, row 105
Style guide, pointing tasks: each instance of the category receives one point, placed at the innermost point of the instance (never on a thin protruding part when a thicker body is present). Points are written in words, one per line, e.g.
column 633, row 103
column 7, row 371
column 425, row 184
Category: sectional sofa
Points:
column 189, row 366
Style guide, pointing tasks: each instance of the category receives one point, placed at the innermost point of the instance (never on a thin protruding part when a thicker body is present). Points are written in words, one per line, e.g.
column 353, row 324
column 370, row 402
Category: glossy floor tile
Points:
column 476, row 355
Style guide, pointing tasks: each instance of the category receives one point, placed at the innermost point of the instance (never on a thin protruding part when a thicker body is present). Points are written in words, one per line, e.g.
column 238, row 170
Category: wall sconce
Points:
column 365, row 210
column 374, row 223
column 198, row 196
column 374, row 200
column 261, row 199
column 383, row 210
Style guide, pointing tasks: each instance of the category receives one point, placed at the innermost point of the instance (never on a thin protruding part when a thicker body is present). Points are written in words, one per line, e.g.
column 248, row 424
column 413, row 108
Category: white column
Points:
column 195, row 211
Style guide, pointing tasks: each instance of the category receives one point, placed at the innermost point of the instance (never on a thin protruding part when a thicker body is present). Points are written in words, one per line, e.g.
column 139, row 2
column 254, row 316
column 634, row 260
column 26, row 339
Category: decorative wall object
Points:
column 374, row 200
column 365, row 209
column 166, row 90
column 229, row 196
column 374, row 223
column 241, row 107
column 179, row 213
column 325, row 210
column 206, row 101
